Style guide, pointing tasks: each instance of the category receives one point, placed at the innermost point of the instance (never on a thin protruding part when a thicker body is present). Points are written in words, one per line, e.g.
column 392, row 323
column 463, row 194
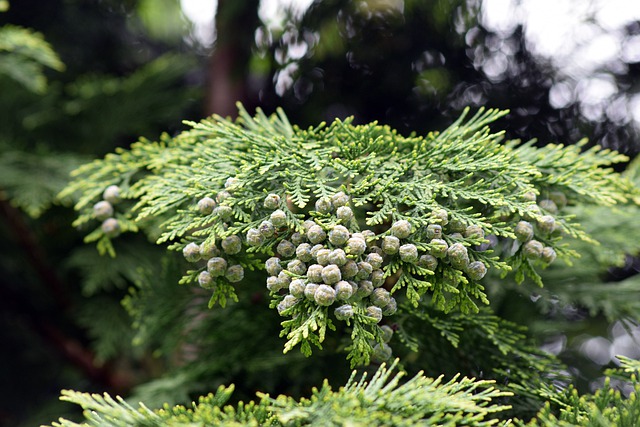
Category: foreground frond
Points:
column 384, row 400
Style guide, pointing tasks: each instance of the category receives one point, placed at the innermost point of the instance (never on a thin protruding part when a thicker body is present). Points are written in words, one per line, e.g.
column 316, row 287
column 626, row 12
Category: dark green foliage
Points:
column 23, row 56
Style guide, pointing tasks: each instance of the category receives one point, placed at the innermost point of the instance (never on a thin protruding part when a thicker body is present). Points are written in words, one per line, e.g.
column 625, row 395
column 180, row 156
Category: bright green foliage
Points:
column 461, row 177
column 608, row 406
column 384, row 400
column 614, row 235
column 23, row 55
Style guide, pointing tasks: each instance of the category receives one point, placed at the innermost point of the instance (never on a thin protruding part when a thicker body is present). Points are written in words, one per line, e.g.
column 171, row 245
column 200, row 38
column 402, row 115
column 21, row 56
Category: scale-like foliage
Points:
column 33, row 180
column 348, row 220
column 23, row 55
column 608, row 406
column 384, row 400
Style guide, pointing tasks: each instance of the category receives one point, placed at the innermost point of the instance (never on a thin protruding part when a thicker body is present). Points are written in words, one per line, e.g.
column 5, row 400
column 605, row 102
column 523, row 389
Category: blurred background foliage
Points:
column 80, row 78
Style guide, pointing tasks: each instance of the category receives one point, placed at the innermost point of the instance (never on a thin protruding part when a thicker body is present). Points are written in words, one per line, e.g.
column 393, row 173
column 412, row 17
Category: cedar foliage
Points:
column 482, row 367
column 208, row 192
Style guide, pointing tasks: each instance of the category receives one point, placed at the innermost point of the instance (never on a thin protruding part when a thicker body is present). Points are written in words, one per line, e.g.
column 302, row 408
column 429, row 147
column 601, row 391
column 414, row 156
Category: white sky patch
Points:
column 583, row 39
column 580, row 38
column 202, row 14
column 634, row 107
column 272, row 12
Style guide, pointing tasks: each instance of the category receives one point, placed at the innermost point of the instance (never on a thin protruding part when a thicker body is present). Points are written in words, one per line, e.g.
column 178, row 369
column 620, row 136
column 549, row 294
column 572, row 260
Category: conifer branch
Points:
column 352, row 217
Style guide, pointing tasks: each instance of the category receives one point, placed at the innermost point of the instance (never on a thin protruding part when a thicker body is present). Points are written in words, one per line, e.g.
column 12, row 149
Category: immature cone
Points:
column 356, row 246
column 235, row 273
column 314, row 273
column 272, row 201
column 206, row 205
column 375, row 260
column 110, row 227
column 296, row 288
column 549, row 206
column 288, row 302
column 380, row 297
column 548, row 255
column 408, row 253
column 339, row 199
column 191, row 252
column 284, row 279
column 524, row 231
column 316, row 234
column 438, row 248
column 558, row 197
column 331, row 274
column 310, row 291
column 391, row 308
column 325, row 295
column 387, row 332
column 278, row 218
column 441, row 216
column 222, row 196
column 375, row 313
column 434, row 231
column 298, row 238
column 254, row 237
column 303, row 252
column 323, row 256
column 286, row 248
column 297, row 267
column 339, row 235
column 266, row 228
column 529, row 196
column 224, row 212
column 273, row 284
column 102, row 210
column 208, row 250
column 390, row 244
column 476, row 270
column 428, row 261
column 231, row 244
column 457, row 226
column 369, row 237
column 272, row 265
column 231, row 183
column 377, row 278
column 315, row 249
column 205, row 280
column 344, row 312
column 343, row 290
column 364, row 270
column 338, row 257
column 533, row 249
column 324, row 205
column 349, row 269
column 217, row 266
column 458, row 256
column 365, row 288
column 474, row 231
column 401, row 229
column 112, row 194
column 546, row 224
column 344, row 214
column 381, row 353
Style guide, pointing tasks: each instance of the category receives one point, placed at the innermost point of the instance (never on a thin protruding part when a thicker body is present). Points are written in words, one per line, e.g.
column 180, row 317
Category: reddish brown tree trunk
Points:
column 236, row 22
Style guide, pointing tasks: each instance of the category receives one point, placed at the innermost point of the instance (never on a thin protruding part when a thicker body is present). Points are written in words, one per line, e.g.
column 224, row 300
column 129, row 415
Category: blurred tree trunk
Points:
column 228, row 72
